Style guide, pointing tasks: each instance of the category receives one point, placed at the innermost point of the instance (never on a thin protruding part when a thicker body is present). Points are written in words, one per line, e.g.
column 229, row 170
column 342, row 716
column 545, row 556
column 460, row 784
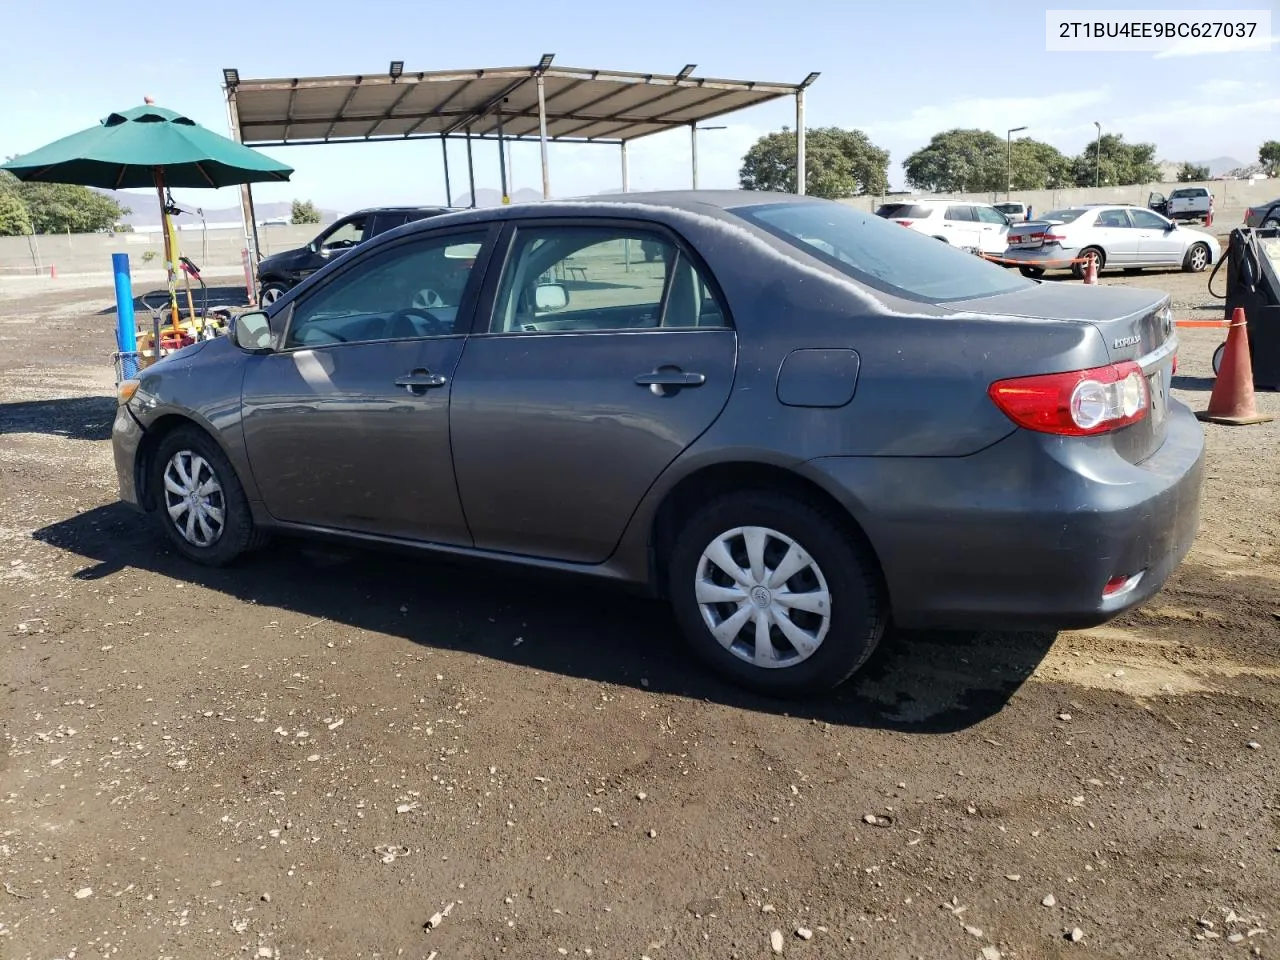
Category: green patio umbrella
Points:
column 148, row 146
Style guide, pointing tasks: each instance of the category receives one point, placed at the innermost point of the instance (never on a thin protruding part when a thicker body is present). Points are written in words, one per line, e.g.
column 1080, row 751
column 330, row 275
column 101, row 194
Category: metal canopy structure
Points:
column 540, row 102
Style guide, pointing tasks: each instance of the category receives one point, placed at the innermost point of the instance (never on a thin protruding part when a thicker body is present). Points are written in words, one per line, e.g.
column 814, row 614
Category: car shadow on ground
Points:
column 1201, row 384
column 76, row 418
column 221, row 296
column 918, row 683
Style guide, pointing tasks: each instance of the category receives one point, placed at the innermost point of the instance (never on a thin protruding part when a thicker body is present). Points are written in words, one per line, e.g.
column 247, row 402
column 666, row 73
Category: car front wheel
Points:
column 1032, row 273
column 199, row 501
column 776, row 594
column 1197, row 259
column 271, row 292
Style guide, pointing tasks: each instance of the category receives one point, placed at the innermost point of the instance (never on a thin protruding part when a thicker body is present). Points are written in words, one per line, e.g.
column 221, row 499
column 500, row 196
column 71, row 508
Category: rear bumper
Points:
column 1027, row 533
column 1053, row 258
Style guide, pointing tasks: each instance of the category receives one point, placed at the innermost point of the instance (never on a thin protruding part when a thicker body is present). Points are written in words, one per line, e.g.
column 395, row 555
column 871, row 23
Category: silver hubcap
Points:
column 193, row 497
column 1199, row 257
column 271, row 294
column 763, row 597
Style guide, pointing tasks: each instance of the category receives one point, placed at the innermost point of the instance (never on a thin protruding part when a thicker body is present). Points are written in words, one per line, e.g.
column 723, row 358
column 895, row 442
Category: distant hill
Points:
column 1219, row 166
column 486, row 197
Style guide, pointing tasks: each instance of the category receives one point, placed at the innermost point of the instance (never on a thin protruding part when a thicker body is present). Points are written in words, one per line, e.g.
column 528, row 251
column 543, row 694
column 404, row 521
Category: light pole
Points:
column 1097, row 157
column 1008, row 169
column 693, row 134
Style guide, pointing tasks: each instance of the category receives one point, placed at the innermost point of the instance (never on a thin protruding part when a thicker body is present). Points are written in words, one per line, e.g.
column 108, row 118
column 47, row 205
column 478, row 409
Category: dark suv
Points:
column 281, row 271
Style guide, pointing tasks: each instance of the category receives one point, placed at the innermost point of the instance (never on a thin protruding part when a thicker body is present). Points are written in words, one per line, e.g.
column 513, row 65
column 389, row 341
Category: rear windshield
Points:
column 882, row 254
column 1009, row 207
column 1064, row 216
column 1192, row 192
column 903, row 211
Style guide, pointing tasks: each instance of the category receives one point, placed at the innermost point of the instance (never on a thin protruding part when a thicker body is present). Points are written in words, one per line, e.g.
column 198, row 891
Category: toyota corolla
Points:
column 796, row 422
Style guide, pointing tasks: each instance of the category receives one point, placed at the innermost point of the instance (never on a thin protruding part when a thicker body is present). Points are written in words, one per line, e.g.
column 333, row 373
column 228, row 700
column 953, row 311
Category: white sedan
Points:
column 1112, row 235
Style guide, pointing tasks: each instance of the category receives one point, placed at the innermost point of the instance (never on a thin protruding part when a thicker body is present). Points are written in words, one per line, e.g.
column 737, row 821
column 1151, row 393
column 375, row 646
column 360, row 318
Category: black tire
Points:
column 857, row 608
column 1197, row 259
column 1217, row 357
column 1077, row 269
column 237, row 535
column 1033, row 273
column 271, row 292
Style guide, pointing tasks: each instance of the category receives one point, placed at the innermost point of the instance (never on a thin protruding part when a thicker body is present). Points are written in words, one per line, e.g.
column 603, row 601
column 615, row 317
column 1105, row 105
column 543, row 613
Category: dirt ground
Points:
column 333, row 754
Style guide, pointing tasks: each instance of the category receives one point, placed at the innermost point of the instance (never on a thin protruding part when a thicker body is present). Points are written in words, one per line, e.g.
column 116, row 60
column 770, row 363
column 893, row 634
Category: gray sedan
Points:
column 793, row 420
column 1109, row 236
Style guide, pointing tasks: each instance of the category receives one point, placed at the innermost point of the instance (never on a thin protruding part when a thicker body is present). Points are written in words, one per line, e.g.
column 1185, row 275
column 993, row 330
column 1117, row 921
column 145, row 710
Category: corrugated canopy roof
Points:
column 581, row 105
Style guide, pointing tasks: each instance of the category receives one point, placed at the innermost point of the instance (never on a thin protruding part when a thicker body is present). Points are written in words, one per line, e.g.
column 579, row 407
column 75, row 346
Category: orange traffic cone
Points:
column 1208, row 218
column 1091, row 270
column 1232, row 401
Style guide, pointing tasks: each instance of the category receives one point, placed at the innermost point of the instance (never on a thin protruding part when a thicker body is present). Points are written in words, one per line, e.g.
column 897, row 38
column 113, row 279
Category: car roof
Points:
column 409, row 209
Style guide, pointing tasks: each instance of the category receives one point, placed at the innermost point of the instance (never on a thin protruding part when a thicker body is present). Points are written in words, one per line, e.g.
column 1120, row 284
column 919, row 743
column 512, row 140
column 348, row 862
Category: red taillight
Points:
column 1175, row 365
column 905, row 223
column 1079, row 403
column 1054, row 238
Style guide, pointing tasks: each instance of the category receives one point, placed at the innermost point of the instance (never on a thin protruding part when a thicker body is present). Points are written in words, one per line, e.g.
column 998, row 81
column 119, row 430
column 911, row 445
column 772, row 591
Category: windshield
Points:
column 881, row 253
column 1065, row 216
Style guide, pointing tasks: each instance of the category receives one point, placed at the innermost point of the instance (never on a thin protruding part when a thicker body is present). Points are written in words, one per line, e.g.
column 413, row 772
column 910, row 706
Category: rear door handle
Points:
column 672, row 378
column 419, row 381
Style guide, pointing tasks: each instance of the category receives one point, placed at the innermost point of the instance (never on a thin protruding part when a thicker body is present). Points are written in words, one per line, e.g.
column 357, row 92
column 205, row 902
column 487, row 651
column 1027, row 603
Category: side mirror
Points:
column 252, row 331
column 1170, row 227
column 549, row 297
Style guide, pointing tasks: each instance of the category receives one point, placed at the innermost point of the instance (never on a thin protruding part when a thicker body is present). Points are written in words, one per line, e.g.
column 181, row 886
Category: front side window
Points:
column 414, row 289
column 1146, row 220
column 346, row 235
column 880, row 253
column 579, row 279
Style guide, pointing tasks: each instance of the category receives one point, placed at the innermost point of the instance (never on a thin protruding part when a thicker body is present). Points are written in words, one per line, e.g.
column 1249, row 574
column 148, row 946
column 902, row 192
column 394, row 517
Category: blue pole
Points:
column 126, row 327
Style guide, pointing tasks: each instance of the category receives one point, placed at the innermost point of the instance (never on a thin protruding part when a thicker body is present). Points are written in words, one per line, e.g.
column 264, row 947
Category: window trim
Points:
column 470, row 293
column 505, row 247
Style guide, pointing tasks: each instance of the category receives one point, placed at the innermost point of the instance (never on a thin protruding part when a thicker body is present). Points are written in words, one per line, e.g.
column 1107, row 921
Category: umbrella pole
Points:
column 168, row 256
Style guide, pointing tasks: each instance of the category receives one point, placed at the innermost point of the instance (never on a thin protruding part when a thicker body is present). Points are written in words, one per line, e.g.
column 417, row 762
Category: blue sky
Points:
column 899, row 71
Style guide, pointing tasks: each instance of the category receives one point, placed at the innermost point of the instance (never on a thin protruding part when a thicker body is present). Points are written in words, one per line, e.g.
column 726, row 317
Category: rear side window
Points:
column 960, row 212
column 903, row 211
column 880, row 254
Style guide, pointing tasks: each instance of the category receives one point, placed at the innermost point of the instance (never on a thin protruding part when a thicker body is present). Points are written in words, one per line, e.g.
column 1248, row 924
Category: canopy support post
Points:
column 471, row 170
column 542, row 136
column 448, row 190
column 800, row 173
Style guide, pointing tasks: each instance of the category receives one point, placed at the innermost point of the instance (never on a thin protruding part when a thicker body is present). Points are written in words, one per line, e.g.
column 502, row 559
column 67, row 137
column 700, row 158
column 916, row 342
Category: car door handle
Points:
column 671, row 378
column 419, row 381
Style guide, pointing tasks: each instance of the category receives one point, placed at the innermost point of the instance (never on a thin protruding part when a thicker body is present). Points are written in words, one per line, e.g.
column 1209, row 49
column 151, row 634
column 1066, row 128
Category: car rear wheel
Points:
column 271, row 292
column 1087, row 254
column 199, row 501
column 1197, row 258
column 1034, row 273
column 776, row 594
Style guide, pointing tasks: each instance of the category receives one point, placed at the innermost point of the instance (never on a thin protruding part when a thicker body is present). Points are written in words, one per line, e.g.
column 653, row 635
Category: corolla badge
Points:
column 1119, row 342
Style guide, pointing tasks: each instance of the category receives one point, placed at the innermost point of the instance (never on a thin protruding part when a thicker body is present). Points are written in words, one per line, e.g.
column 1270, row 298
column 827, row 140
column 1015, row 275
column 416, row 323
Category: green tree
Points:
column 1116, row 163
column 959, row 161
column 1039, row 166
column 1269, row 155
column 63, row 207
column 304, row 211
column 14, row 219
column 1192, row 173
column 838, row 163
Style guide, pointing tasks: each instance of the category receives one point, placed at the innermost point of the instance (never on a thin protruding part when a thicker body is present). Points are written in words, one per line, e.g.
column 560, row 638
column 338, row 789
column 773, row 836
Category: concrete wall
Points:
column 80, row 253
column 220, row 249
column 1230, row 197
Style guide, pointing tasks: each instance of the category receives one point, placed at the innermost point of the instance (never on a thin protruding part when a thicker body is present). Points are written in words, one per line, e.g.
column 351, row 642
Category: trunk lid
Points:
column 1030, row 233
column 1133, row 324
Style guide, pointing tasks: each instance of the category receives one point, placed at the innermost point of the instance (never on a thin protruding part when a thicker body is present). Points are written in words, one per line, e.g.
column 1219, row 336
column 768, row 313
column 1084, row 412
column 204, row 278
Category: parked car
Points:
column 799, row 423
column 970, row 226
column 1264, row 215
column 1185, row 203
column 1014, row 211
column 280, row 272
column 1124, row 236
